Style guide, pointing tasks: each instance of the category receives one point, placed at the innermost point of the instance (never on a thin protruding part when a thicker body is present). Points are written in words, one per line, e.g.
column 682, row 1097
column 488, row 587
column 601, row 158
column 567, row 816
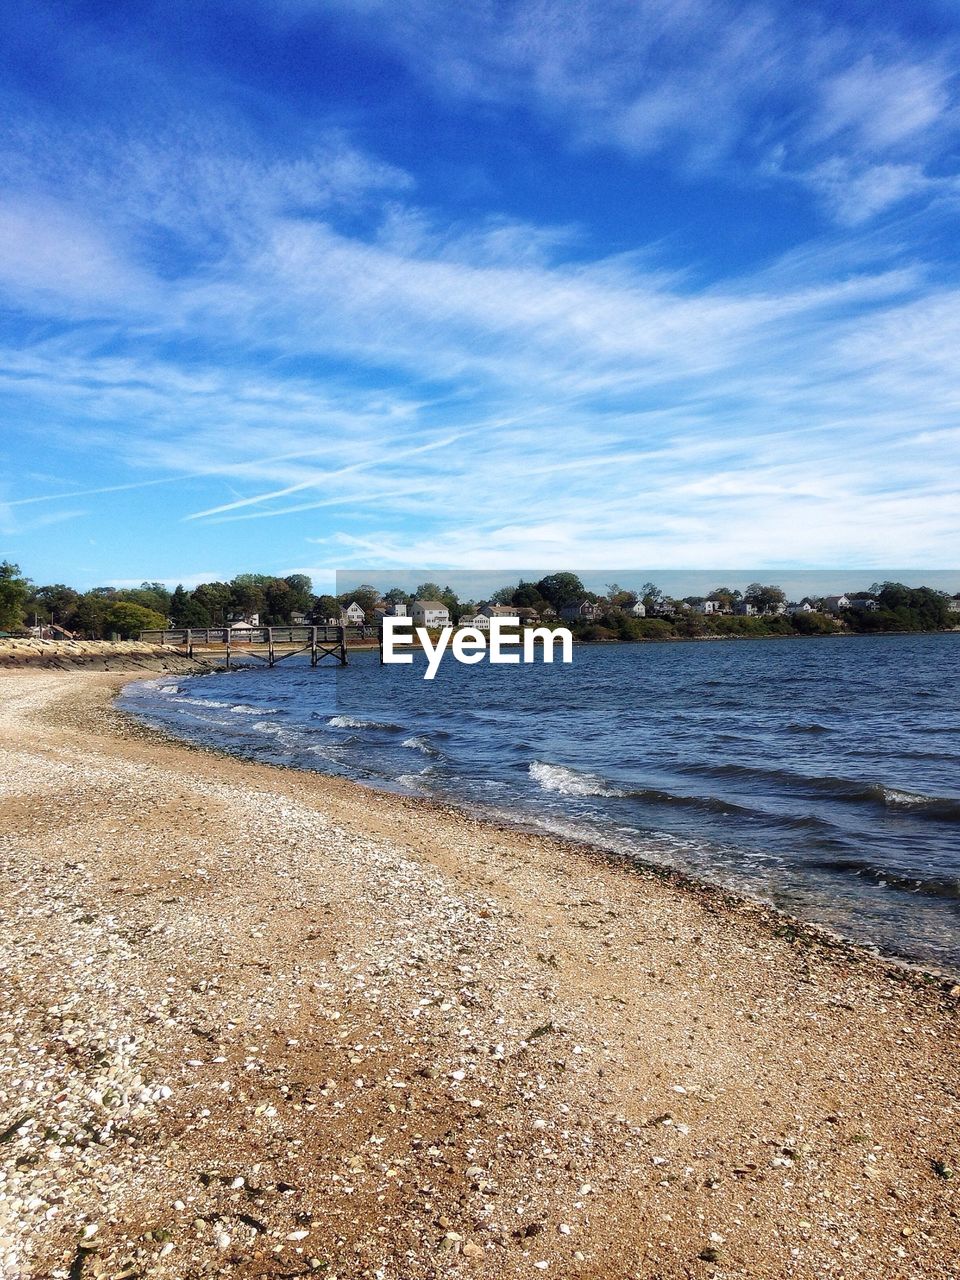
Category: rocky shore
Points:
column 92, row 655
column 261, row 1023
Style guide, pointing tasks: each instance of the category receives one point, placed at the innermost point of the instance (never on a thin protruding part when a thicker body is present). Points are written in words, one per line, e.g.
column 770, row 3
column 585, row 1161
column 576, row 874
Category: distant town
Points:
column 254, row 600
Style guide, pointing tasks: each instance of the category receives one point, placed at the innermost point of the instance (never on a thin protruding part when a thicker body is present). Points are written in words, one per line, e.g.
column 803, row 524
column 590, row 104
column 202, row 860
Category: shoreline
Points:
column 726, row 899
column 546, row 1060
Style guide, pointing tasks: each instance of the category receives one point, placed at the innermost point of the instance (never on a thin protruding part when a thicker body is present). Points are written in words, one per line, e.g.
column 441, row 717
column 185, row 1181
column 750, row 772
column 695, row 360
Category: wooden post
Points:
column 313, row 646
column 343, row 646
column 189, row 643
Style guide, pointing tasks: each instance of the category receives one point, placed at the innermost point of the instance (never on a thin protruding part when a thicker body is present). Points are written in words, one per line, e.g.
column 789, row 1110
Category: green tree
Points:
column 187, row 611
column 247, row 593
column 92, row 609
column 764, row 599
column 324, row 607
column 129, row 619
column 561, row 588
column 527, row 596
column 301, row 592
column 56, row 603
column 14, row 590
column 651, row 595
column 216, row 599
column 366, row 596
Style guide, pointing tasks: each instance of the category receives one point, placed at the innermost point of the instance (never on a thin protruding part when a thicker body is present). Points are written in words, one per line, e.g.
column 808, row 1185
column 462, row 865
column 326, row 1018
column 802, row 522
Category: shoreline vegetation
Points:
column 272, row 1023
column 59, row 612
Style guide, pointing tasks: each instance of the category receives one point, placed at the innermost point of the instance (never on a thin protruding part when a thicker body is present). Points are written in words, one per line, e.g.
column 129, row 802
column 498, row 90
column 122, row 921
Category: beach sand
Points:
column 263, row 1023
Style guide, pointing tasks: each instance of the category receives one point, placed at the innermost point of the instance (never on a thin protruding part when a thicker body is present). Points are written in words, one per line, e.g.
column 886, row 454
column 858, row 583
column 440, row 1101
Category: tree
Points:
column 247, row 593
column 301, row 591
column 724, row 597
column 216, row 599
column 129, row 619
column 14, row 589
column 91, row 615
column 764, row 599
column 652, row 597
column 396, row 595
column 56, row 603
column 187, row 611
column 561, row 588
column 277, row 603
column 325, row 607
column 527, row 596
column 620, row 597
column 366, row 596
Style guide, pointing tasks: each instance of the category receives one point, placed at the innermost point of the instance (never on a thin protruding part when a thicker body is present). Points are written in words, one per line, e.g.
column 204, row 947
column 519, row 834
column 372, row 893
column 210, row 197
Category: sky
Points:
column 297, row 285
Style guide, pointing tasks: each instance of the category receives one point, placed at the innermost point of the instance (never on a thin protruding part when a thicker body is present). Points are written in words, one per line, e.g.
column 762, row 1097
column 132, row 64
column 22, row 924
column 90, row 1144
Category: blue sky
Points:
column 289, row 286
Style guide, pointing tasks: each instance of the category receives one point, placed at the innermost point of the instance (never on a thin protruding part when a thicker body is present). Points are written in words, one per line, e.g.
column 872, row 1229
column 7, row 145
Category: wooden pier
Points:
column 269, row 645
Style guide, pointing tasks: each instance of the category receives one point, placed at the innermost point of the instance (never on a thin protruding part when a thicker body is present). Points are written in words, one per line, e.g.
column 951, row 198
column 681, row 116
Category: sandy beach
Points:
column 262, row 1023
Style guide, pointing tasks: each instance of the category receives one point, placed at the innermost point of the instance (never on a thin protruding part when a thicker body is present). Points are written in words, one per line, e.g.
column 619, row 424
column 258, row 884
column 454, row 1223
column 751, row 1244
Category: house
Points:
column 352, row 615
column 803, row 607
column 585, row 611
column 498, row 611
column 528, row 617
column 707, row 607
column 638, row 610
column 251, row 619
column 478, row 620
column 298, row 619
column 953, row 603
column 866, row 603
column 743, row 609
column 834, row 604
column 430, row 613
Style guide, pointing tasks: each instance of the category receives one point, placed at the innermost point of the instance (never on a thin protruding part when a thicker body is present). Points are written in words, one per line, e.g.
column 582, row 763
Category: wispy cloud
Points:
column 741, row 89
column 232, row 325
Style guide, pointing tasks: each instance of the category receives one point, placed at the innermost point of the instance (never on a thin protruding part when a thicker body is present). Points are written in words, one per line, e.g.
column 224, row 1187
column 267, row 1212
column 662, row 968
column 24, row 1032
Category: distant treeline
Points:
column 763, row 609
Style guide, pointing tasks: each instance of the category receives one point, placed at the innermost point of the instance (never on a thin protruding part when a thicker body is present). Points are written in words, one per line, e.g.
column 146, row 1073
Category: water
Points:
column 820, row 775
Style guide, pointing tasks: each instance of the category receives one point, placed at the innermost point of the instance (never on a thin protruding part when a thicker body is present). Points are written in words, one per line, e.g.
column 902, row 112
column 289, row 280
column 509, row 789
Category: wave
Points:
column 355, row 722
column 420, row 743
column 812, row 727
column 893, row 877
column 852, row 790
column 568, row 782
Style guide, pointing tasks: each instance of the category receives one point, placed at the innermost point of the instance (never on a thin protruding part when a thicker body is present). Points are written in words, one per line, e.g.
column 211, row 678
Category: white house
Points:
column 352, row 615
column 833, row 604
column 498, row 611
column 803, row 607
column 638, row 610
column 866, row 603
column 953, row 604
column 479, row 620
column 430, row 613
column 707, row 607
column 743, row 609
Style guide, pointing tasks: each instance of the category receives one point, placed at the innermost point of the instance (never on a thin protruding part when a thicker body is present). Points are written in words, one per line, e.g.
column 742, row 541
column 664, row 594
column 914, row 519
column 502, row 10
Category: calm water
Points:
column 820, row 775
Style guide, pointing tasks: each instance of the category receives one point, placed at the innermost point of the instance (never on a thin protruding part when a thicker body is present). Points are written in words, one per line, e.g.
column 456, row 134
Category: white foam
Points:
column 567, row 782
